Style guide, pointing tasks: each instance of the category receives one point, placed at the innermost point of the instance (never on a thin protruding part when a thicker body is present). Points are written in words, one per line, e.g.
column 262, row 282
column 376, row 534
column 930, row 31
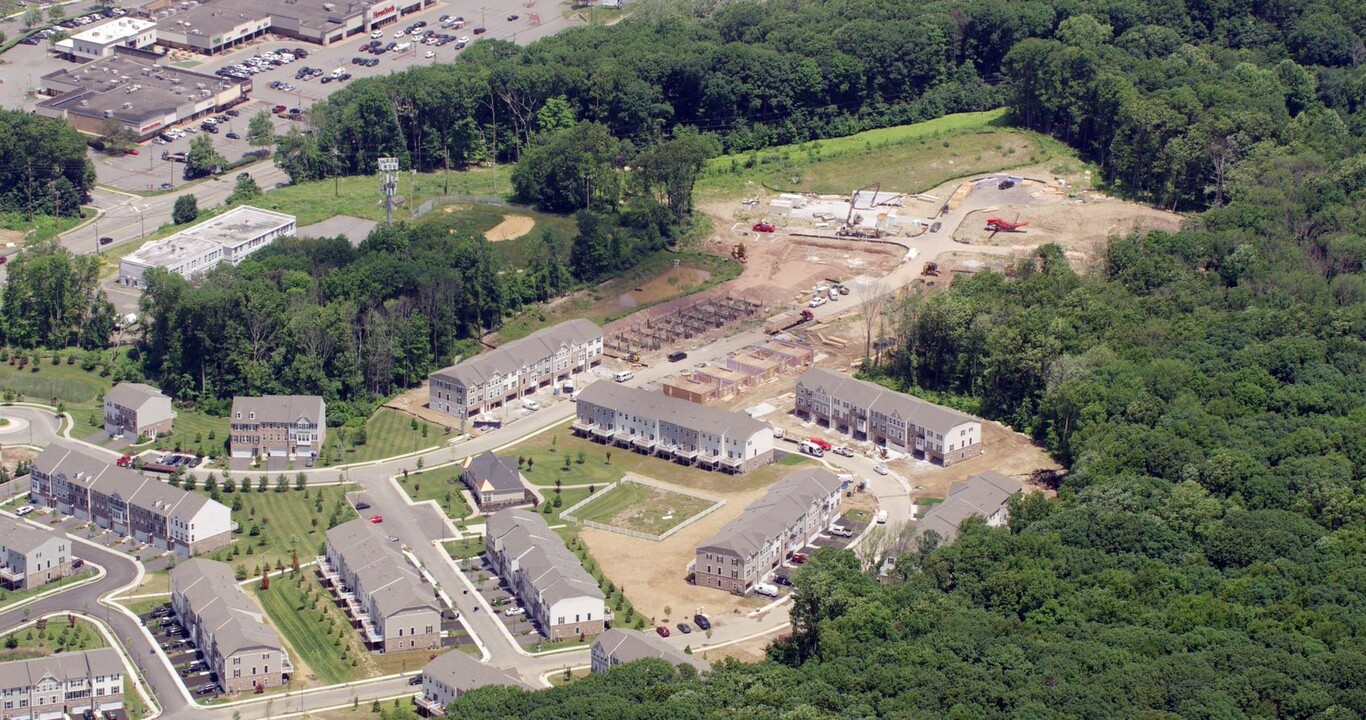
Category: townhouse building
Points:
column 277, row 426
column 746, row 550
column 133, row 409
column 652, row 423
column 68, row 684
column 867, row 411
column 557, row 593
column 74, row 481
column 388, row 600
column 450, row 676
column 491, row 380
column 985, row 495
column 241, row 650
column 617, row 646
column 495, row 482
column 31, row 557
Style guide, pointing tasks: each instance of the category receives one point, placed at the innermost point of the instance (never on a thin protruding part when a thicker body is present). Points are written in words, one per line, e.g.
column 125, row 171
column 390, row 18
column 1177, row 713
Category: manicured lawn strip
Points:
column 42, row 227
column 133, row 706
column 441, row 486
column 145, row 605
column 10, row 597
column 60, row 636
column 387, row 433
column 464, row 549
column 311, row 626
column 284, row 521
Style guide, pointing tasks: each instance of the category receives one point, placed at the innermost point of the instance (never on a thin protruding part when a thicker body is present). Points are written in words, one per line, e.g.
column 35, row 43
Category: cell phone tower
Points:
column 388, row 184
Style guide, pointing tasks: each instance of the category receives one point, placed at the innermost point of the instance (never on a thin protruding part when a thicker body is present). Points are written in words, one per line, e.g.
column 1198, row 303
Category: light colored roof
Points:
column 114, row 30
column 500, row 474
column 555, row 572
column 21, row 537
column 457, row 670
column 221, row 606
column 379, row 567
column 24, row 673
column 676, row 411
column 631, row 645
column 278, row 408
column 872, row 396
column 132, row 395
column 529, row 350
column 981, row 494
column 83, row 467
column 770, row 516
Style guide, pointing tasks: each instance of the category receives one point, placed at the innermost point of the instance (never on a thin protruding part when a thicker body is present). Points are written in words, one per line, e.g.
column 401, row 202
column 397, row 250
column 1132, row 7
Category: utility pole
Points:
column 336, row 174
column 388, row 185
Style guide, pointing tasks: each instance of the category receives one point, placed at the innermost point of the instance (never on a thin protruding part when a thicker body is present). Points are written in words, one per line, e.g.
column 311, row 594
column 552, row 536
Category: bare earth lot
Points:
column 642, row 508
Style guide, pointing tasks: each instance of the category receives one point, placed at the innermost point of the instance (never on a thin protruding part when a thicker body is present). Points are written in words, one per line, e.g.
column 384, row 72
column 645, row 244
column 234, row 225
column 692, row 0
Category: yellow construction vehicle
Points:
column 931, row 268
column 633, row 357
column 737, row 251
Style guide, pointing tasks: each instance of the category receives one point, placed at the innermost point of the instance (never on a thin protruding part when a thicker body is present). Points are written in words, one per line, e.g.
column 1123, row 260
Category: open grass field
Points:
column 283, row 522
column 387, row 433
column 59, row 636
column 10, row 597
column 642, row 508
column 41, row 226
column 476, row 219
column 441, row 485
column 315, row 629
column 905, row 158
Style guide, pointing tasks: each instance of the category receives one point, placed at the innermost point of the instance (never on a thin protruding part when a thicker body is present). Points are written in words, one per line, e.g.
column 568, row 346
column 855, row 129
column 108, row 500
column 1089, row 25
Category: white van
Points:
column 881, row 517
column 623, row 376
column 812, row 449
column 402, row 47
column 766, row 589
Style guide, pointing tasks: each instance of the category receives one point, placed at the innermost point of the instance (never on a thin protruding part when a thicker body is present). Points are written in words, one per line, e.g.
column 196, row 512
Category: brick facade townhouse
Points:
column 133, row 409
column 746, row 550
column 67, row 684
column 278, row 426
column 75, row 481
column 650, row 422
column 227, row 627
column 519, row 368
column 563, row 599
column 389, row 602
column 453, row 674
column 31, row 556
column 867, row 411
column 617, row 646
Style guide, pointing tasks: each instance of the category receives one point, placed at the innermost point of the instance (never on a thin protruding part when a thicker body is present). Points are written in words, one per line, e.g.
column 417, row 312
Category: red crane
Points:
column 996, row 225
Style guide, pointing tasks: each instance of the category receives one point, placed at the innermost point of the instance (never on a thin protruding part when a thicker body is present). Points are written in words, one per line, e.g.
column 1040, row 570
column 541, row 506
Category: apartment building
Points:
column 867, row 411
column 563, row 599
column 616, row 647
column 278, row 426
column 451, row 675
column 133, row 409
column 241, row 650
column 389, row 602
column 746, row 550
column 651, row 423
column 62, row 685
column 495, row 482
column 31, row 556
column 226, row 238
column 489, row 381
column 983, row 495
column 74, row 481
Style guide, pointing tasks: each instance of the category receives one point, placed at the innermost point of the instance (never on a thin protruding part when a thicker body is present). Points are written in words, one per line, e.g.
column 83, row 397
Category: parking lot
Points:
column 188, row 662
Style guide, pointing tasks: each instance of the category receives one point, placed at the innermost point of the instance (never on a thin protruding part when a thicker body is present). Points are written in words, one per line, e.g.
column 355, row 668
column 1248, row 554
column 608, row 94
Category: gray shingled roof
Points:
column 657, row 405
column 22, row 673
column 97, row 473
column 21, row 537
column 529, row 350
column 771, row 515
column 552, row 569
column 220, row 604
column 279, row 408
column 132, row 395
column 500, row 473
column 380, row 568
column 462, row 672
column 631, row 645
column 872, row 396
column 981, row 494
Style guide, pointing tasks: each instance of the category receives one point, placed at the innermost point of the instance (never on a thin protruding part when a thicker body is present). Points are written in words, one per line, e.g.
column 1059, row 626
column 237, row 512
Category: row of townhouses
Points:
column 388, row 601
column 31, row 557
column 563, row 599
column 983, row 495
column 488, row 381
column 453, row 674
column 867, row 411
column 278, row 426
column 227, row 627
column 133, row 409
column 616, row 647
column 62, row 685
column 746, row 550
column 650, row 422
column 76, row 482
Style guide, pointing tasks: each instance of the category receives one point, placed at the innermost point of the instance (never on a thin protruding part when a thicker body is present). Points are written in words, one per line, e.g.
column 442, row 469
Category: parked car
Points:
column 233, row 136
column 514, row 611
column 816, row 302
column 362, row 505
column 206, row 690
column 26, row 509
column 843, row 450
column 880, row 469
column 677, row 355
column 531, row 405
column 685, row 628
column 798, row 559
column 77, row 564
column 393, row 538
column 480, row 30
column 702, row 622
column 782, row 580
column 766, row 589
column 377, row 519
column 663, row 631
column 511, row 18
column 841, row 531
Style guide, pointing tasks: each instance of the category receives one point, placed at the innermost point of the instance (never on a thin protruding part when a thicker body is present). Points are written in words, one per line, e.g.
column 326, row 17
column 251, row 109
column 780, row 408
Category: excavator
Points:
column 931, row 268
column 737, row 251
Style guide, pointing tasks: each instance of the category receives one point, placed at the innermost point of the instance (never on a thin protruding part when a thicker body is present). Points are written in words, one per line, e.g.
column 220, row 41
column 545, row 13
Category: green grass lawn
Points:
column 477, row 218
column 284, row 522
column 42, row 226
column 69, row 384
column 316, row 630
column 462, row 549
column 133, row 706
column 387, row 433
column 316, row 201
column 642, row 508
column 146, row 605
column 9, row 597
column 59, row 636
column 441, row 485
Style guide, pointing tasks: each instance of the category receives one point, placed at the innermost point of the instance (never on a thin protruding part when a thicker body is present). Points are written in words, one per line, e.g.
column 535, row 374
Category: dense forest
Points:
column 43, row 166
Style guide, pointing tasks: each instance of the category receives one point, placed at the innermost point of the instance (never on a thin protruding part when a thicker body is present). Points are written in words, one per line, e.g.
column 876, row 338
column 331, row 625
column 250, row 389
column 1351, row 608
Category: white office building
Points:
column 228, row 238
column 99, row 41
